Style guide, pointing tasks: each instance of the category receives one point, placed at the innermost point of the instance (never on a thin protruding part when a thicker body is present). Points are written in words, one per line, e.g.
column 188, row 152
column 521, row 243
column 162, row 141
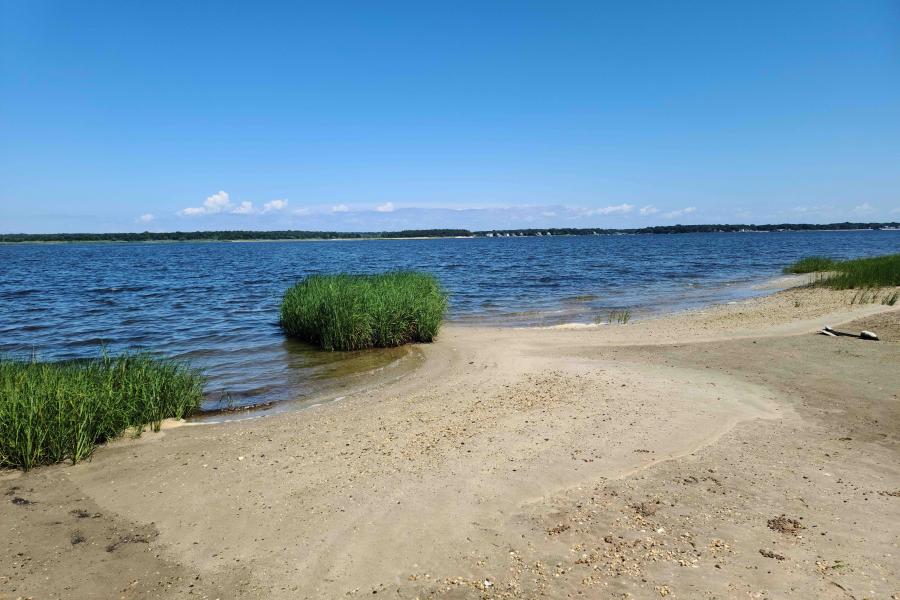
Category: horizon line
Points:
column 443, row 232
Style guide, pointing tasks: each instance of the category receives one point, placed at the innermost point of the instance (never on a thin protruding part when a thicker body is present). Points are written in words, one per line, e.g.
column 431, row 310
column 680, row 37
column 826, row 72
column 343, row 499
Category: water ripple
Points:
column 217, row 304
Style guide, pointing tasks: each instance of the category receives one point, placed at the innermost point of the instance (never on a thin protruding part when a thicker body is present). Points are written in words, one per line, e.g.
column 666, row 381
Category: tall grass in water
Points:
column 56, row 411
column 352, row 312
column 620, row 316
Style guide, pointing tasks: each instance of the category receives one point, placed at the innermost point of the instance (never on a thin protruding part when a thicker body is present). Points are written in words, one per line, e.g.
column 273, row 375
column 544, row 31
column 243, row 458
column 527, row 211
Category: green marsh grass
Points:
column 811, row 264
column 868, row 276
column 620, row 316
column 354, row 312
column 858, row 273
column 59, row 411
column 874, row 272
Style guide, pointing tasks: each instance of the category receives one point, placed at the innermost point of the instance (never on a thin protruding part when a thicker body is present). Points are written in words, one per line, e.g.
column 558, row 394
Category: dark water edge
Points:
column 216, row 304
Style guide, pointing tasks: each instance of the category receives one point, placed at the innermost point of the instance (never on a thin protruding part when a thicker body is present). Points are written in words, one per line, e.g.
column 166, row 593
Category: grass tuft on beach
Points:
column 353, row 312
column 858, row 273
column 57, row 411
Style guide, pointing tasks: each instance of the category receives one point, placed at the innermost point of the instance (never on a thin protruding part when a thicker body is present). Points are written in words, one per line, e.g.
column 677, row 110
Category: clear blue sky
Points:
column 126, row 116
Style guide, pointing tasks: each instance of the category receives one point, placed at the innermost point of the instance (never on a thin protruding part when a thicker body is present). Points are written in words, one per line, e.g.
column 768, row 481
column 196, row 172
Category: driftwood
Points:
column 863, row 335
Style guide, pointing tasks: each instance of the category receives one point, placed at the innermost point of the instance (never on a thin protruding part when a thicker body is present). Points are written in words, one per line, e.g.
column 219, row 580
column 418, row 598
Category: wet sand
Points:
column 722, row 453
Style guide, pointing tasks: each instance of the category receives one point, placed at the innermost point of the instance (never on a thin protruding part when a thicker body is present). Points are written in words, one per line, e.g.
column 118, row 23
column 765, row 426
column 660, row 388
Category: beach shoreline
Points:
column 725, row 451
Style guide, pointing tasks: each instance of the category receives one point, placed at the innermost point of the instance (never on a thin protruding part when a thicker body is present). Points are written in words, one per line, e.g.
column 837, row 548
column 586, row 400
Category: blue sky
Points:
column 126, row 116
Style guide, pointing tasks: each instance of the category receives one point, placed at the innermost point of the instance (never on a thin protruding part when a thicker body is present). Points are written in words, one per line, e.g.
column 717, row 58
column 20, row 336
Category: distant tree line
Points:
column 662, row 229
column 226, row 236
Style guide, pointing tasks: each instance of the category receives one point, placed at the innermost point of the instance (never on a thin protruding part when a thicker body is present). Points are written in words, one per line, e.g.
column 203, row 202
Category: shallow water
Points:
column 217, row 303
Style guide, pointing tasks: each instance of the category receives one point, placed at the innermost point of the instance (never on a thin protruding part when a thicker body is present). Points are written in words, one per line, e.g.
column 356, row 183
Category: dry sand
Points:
column 723, row 453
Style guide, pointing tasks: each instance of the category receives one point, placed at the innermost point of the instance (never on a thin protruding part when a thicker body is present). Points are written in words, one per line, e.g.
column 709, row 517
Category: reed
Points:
column 56, row 411
column 353, row 312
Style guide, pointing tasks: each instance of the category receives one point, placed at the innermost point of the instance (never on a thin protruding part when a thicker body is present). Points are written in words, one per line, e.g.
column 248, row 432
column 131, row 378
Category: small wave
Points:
column 581, row 298
column 13, row 294
column 96, row 342
column 116, row 290
column 575, row 326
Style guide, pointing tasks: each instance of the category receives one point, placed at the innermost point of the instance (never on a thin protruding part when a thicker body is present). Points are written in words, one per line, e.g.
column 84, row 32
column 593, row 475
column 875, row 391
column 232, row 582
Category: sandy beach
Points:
column 728, row 452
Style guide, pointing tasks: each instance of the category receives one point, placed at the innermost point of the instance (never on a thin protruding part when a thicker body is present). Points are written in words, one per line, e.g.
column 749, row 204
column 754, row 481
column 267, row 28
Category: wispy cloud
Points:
column 619, row 209
column 274, row 206
column 244, row 208
column 359, row 217
column 385, row 208
column 812, row 210
column 674, row 214
column 863, row 209
column 648, row 210
column 145, row 218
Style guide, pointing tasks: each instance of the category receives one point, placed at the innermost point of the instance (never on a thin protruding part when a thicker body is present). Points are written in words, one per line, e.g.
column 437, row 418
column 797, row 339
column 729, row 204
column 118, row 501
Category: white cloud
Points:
column 863, row 208
column 386, row 207
column 275, row 205
column 340, row 208
column 674, row 214
column 216, row 203
column 220, row 203
column 245, row 208
column 648, row 210
column 145, row 218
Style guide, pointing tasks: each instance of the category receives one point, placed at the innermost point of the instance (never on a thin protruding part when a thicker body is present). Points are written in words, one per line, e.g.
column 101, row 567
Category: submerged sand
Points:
column 722, row 453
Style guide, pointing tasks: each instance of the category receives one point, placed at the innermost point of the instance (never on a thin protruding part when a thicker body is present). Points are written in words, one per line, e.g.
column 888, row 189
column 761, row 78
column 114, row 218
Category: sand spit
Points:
column 722, row 453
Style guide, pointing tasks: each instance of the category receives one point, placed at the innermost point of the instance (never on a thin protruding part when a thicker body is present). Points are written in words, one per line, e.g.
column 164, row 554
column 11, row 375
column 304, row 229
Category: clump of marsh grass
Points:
column 811, row 264
column 872, row 272
column 621, row 316
column 865, row 296
column 868, row 276
column 56, row 411
column 353, row 312
column 859, row 273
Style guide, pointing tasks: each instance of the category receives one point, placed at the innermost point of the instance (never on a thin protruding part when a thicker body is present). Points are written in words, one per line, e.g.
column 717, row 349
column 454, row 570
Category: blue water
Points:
column 217, row 303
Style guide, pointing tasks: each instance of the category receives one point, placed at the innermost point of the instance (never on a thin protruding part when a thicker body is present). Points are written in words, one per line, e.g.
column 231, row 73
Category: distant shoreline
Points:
column 420, row 234
column 235, row 241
